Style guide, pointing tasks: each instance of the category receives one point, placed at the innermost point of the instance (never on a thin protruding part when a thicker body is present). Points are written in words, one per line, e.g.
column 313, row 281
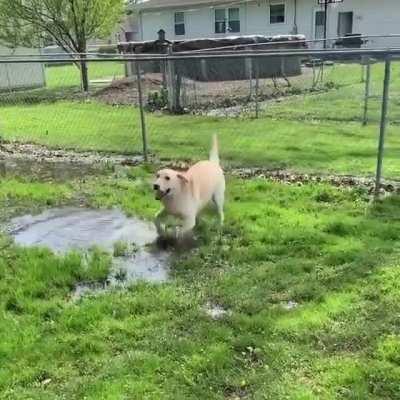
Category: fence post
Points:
column 385, row 99
column 363, row 73
column 248, row 65
column 367, row 92
column 257, row 87
column 171, row 82
column 142, row 117
column 178, row 87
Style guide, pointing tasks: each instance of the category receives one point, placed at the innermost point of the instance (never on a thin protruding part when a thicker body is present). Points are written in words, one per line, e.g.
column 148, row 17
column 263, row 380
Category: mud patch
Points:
column 291, row 177
column 38, row 162
column 124, row 91
column 19, row 152
column 46, row 171
column 67, row 229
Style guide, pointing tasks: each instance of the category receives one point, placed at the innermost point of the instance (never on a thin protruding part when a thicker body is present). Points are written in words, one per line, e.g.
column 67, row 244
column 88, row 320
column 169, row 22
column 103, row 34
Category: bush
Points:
column 157, row 100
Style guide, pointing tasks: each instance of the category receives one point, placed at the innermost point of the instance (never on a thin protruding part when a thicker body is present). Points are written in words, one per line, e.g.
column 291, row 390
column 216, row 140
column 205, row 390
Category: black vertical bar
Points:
column 385, row 99
column 325, row 23
column 142, row 117
column 367, row 92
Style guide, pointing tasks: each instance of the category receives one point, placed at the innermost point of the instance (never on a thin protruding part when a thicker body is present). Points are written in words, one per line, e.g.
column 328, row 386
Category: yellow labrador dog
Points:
column 185, row 194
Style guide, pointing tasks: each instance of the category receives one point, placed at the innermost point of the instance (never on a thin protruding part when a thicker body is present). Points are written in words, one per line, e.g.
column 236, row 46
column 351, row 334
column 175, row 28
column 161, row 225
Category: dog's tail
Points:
column 214, row 156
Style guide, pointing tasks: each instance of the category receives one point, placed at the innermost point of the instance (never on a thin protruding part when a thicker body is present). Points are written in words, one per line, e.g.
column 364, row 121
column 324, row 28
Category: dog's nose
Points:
column 156, row 187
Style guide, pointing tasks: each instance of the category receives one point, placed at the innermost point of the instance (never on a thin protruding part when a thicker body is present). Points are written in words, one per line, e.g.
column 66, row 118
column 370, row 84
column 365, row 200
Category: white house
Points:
column 188, row 19
column 21, row 76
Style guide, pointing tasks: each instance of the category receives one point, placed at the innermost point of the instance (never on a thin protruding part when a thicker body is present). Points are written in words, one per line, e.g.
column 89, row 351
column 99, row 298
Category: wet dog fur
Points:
column 185, row 194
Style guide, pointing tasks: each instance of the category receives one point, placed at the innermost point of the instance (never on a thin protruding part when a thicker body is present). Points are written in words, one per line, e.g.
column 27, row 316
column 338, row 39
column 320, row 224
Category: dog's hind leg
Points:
column 219, row 198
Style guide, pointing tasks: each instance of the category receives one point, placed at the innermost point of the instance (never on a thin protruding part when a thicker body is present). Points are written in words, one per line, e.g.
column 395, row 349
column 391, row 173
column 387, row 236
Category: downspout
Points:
column 141, row 25
column 325, row 24
column 295, row 30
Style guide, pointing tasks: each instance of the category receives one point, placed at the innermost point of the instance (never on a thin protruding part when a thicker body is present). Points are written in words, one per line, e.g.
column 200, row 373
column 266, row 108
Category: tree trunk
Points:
column 82, row 48
column 84, row 75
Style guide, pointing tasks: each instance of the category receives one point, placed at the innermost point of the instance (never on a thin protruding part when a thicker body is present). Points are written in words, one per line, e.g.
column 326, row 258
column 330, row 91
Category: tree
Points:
column 70, row 23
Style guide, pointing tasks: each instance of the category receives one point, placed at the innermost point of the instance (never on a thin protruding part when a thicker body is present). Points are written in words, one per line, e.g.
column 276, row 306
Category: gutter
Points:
column 140, row 15
column 183, row 5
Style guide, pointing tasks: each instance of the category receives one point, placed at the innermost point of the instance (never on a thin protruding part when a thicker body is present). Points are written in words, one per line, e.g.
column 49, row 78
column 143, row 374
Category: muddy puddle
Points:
column 66, row 229
column 39, row 162
column 46, row 171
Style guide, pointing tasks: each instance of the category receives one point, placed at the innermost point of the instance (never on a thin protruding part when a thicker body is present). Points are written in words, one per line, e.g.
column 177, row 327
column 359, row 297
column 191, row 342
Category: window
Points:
column 129, row 36
column 179, row 23
column 220, row 22
column 224, row 15
column 345, row 23
column 234, row 20
column 277, row 13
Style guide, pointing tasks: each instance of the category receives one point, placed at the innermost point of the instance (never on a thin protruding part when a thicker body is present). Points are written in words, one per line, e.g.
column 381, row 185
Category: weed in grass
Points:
column 120, row 249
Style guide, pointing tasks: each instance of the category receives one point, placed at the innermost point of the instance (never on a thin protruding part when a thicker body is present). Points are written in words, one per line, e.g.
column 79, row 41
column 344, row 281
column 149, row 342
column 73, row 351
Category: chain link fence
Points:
column 305, row 110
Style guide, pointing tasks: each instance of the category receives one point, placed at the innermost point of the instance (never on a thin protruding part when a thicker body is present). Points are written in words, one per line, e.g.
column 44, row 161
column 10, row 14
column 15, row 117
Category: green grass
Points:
column 312, row 132
column 320, row 146
column 326, row 249
column 69, row 75
column 344, row 104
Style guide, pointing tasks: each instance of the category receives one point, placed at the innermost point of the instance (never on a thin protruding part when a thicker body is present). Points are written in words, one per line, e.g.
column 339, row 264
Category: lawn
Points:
column 346, row 102
column 69, row 75
column 325, row 251
column 309, row 274
column 313, row 132
column 318, row 146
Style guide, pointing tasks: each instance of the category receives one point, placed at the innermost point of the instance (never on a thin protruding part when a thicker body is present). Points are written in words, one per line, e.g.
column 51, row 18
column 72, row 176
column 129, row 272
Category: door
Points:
column 345, row 23
column 319, row 24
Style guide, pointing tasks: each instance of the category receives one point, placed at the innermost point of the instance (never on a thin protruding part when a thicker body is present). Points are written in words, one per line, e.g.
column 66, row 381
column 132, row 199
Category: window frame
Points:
column 228, row 10
column 181, row 24
column 223, row 22
column 277, row 3
column 226, row 22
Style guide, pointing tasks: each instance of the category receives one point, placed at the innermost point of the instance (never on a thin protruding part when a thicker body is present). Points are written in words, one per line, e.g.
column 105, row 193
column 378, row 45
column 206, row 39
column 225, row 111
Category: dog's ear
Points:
column 183, row 178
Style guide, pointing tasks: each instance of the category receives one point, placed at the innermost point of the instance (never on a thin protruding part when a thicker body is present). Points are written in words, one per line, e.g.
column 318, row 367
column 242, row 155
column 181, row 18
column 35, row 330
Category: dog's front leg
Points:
column 158, row 221
column 189, row 222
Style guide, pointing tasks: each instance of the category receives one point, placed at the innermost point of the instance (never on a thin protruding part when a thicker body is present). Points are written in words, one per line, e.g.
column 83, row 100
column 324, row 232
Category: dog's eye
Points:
column 167, row 178
column 158, row 176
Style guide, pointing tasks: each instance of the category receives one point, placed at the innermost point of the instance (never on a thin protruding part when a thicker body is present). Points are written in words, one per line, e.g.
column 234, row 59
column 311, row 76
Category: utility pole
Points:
column 326, row 3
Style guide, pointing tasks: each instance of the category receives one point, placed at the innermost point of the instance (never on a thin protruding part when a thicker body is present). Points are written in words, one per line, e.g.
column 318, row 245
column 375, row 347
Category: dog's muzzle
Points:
column 159, row 193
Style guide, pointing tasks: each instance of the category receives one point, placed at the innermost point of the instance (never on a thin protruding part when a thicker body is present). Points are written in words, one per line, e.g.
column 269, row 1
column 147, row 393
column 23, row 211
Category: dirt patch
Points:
column 46, row 171
column 22, row 159
column 207, row 97
column 58, row 165
column 290, row 177
column 124, row 91
column 38, row 153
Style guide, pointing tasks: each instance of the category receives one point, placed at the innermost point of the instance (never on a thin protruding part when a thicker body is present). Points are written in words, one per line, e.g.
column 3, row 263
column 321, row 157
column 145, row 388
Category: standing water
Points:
column 66, row 229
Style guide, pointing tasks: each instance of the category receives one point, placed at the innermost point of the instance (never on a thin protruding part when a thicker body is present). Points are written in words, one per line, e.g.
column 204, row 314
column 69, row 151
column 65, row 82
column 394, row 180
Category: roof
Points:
column 160, row 4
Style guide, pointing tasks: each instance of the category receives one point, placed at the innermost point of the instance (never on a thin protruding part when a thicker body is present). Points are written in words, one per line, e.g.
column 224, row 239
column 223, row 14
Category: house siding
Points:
column 371, row 17
column 21, row 76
